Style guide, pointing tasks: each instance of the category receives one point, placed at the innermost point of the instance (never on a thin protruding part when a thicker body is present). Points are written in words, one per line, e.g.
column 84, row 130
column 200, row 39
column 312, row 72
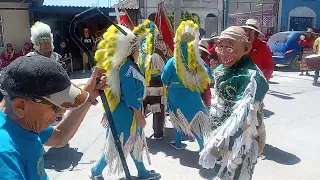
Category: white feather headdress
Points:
column 112, row 52
column 40, row 32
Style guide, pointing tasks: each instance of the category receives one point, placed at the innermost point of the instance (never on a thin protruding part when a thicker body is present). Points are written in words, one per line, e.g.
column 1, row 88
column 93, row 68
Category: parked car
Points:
column 285, row 48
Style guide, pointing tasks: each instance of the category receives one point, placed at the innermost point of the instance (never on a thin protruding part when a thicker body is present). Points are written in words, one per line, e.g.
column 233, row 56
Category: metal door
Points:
column 211, row 25
column 301, row 23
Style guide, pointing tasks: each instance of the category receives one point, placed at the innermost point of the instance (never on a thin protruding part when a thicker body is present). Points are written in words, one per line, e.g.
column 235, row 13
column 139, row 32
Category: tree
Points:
column 185, row 15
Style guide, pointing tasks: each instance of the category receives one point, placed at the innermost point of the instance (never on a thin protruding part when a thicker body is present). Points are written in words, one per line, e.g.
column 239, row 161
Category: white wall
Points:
column 200, row 7
column 16, row 24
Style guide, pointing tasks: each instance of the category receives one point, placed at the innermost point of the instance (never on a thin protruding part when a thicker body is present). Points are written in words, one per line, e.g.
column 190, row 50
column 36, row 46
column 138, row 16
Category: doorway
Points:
column 301, row 23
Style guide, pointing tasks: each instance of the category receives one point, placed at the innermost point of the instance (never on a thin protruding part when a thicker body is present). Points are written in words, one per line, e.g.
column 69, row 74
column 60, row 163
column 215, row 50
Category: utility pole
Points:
column 226, row 13
column 177, row 14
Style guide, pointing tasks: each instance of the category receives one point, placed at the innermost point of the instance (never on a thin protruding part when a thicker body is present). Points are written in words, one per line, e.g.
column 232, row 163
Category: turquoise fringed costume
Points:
column 125, row 94
column 151, row 62
column 186, row 76
column 238, row 93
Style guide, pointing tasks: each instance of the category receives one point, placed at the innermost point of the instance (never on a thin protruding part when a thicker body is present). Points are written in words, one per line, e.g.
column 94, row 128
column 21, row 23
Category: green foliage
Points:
column 185, row 15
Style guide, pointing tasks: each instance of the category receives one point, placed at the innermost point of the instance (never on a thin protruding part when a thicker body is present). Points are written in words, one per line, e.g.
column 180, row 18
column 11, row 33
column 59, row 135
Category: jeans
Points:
column 102, row 163
column 316, row 76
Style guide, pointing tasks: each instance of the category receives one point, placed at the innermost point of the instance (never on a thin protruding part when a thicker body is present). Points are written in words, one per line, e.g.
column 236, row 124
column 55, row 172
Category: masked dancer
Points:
column 240, row 87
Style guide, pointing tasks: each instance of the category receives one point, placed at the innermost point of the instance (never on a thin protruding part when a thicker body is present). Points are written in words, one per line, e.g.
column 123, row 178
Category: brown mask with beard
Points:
column 232, row 44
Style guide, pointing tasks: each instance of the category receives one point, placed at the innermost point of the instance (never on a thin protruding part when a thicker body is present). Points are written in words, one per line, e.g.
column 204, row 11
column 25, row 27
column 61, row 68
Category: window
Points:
column 281, row 37
column 1, row 32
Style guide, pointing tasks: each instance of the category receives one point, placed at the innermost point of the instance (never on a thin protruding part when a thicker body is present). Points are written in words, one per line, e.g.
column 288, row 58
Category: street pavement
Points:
column 292, row 122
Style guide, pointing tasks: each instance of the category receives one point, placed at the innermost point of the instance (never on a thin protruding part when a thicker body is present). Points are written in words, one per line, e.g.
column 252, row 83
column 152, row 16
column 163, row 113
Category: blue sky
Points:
column 102, row 3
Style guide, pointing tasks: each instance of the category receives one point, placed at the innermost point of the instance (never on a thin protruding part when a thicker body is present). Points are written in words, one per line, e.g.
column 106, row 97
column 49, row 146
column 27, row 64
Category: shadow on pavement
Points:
column 279, row 156
column 272, row 82
column 64, row 158
column 186, row 157
column 284, row 69
column 280, row 95
column 267, row 113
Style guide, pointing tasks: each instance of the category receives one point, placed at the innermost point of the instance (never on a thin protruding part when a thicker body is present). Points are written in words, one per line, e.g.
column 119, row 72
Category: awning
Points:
column 65, row 9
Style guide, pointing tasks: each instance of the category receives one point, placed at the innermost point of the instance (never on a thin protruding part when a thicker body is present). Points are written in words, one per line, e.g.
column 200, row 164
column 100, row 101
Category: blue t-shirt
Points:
column 21, row 153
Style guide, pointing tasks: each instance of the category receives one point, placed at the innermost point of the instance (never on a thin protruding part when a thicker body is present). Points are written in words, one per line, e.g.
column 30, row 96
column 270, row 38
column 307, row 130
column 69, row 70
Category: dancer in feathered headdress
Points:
column 186, row 76
column 42, row 40
column 239, row 89
column 117, row 54
column 152, row 61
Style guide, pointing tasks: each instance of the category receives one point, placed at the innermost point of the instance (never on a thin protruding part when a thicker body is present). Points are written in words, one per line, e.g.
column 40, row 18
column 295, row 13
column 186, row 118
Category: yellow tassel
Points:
column 134, row 124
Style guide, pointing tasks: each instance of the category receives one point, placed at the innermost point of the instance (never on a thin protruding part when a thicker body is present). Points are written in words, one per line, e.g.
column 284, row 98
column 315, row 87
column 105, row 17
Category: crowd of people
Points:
column 137, row 76
column 10, row 54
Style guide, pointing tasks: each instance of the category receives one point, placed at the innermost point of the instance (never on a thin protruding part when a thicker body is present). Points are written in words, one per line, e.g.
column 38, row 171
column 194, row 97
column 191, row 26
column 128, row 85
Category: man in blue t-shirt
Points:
column 36, row 90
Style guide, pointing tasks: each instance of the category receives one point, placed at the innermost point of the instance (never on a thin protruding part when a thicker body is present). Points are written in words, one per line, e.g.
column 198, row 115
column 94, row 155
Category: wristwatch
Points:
column 92, row 101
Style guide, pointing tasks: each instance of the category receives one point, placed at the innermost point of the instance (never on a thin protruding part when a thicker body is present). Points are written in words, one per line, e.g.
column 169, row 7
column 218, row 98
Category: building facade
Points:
column 299, row 14
column 265, row 11
column 14, row 23
column 209, row 12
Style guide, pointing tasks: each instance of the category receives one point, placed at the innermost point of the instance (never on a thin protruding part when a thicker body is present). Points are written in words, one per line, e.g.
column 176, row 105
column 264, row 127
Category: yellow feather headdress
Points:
column 147, row 49
column 112, row 53
column 189, row 65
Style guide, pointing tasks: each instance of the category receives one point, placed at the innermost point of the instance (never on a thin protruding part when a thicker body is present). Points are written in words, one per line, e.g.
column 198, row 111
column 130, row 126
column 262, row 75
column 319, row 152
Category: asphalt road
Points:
column 292, row 151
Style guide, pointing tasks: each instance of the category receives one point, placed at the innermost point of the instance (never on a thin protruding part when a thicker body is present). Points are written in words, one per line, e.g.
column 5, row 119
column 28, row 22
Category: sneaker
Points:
column 83, row 71
column 173, row 144
column 92, row 177
column 157, row 137
column 152, row 176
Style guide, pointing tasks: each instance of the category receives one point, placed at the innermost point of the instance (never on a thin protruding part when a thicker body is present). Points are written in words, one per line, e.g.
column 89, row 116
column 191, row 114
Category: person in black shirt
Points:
column 89, row 42
column 65, row 52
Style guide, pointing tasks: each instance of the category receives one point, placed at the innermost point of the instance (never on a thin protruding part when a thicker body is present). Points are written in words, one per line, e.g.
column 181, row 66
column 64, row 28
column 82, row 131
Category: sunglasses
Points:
column 41, row 100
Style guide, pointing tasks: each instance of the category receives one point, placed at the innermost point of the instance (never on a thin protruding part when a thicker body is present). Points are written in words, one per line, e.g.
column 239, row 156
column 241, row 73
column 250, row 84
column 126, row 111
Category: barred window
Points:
column 1, row 32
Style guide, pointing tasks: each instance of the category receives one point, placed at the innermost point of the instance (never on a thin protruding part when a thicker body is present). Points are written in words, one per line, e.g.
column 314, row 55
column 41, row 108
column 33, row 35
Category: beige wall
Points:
column 16, row 25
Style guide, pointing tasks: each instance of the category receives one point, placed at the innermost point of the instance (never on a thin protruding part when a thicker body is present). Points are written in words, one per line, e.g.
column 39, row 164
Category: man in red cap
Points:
column 260, row 52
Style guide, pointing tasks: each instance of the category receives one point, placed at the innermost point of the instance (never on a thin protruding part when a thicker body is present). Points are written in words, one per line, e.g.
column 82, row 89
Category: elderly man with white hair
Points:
column 42, row 40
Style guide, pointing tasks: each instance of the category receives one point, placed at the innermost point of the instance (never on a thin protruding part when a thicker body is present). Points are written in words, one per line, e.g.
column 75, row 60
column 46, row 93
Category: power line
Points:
column 14, row 10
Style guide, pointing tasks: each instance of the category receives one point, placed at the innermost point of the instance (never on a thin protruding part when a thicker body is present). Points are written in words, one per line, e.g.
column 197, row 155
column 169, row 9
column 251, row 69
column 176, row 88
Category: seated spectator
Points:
column 26, row 49
column 8, row 55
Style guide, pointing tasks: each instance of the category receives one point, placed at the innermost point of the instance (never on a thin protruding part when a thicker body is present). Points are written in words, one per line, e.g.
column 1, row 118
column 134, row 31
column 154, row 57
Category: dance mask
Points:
column 232, row 44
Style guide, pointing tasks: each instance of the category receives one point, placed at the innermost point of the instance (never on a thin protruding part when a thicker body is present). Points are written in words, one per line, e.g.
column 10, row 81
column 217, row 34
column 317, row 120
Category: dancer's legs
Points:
column 102, row 163
column 158, row 123
column 142, row 171
column 98, row 169
column 178, row 141
column 200, row 142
